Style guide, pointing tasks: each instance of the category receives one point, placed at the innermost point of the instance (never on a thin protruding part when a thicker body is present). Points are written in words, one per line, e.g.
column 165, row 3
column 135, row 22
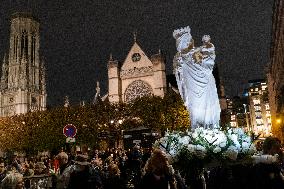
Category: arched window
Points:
column 136, row 89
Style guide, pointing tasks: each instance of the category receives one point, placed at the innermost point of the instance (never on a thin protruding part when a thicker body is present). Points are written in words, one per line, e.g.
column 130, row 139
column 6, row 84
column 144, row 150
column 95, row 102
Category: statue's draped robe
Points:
column 197, row 88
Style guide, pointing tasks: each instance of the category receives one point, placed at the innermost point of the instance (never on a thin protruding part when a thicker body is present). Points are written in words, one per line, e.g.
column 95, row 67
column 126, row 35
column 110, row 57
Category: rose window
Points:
column 136, row 89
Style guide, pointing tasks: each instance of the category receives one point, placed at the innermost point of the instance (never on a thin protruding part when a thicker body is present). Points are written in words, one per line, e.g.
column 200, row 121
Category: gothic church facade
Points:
column 137, row 76
column 23, row 87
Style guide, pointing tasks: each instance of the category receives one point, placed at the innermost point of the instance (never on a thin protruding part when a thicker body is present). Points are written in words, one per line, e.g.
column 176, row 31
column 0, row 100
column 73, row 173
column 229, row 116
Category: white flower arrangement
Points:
column 201, row 143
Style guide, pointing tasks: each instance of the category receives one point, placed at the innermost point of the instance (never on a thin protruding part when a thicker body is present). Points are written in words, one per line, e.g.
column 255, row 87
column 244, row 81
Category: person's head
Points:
column 2, row 166
column 96, row 162
column 62, row 158
column 39, row 168
column 183, row 38
column 157, row 163
column 272, row 146
column 13, row 180
column 113, row 170
column 14, row 156
column 81, row 161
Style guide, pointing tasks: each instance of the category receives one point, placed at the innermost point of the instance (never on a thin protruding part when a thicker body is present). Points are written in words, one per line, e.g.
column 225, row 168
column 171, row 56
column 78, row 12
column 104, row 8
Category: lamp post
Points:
column 118, row 134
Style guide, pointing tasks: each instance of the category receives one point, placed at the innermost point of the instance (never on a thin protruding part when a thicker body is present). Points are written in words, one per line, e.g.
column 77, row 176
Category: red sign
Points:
column 70, row 130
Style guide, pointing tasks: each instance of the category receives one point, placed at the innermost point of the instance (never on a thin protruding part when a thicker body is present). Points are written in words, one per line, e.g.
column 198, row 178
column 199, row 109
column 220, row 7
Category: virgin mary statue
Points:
column 193, row 70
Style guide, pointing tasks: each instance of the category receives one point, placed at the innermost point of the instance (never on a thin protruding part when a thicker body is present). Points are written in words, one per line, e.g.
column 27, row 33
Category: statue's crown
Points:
column 179, row 32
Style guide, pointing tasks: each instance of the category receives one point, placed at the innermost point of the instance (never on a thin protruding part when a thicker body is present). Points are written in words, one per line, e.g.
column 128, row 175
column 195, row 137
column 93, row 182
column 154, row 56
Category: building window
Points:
column 257, row 108
column 137, row 89
column 256, row 101
column 259, row 122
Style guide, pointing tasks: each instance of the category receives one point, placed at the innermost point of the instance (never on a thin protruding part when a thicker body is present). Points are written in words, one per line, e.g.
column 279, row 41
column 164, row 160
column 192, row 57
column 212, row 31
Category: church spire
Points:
column 135, row 36
column 110, row 57
column 66, row 102
column 4, row 58
column 98, row 93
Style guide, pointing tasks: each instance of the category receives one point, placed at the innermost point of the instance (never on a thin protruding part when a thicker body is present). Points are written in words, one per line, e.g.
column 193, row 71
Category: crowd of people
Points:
column 119, row 169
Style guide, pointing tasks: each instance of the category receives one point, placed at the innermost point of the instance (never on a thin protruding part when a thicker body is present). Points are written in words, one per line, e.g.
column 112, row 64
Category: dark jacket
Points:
column 87, row 179
column 114, row 182
column 150, row 181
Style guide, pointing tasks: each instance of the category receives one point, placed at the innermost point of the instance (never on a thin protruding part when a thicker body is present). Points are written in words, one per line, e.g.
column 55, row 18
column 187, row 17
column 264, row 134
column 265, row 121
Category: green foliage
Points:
column 42, row 130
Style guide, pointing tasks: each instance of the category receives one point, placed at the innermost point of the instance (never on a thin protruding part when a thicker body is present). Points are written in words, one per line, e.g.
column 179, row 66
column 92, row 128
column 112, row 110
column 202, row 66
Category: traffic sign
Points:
column 70, row 130
column 70, row 140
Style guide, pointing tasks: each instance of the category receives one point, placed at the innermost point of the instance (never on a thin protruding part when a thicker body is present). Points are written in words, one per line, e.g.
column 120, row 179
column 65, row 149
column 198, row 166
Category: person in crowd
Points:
column 268, row 175
column 113, row 179
column 16, row 163
column 84, row 176
column 97, row 162
column 65, row 170
column 3, row 171
column 122, row 164
column 158, row 173
column 62, row 158
column 27, row 171
column 13, row 180
column 40, row 168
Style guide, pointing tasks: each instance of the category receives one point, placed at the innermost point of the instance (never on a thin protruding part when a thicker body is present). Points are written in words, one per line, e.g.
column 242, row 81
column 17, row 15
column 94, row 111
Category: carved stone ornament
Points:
column 136, row 72
column 137, row 89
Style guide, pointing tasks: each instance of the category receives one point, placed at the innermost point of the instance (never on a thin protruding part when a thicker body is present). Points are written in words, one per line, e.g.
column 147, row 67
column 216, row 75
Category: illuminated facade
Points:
column 137, row 76
column 23, row 86
column 260, row 114
column 232, row 114
column 275, row 73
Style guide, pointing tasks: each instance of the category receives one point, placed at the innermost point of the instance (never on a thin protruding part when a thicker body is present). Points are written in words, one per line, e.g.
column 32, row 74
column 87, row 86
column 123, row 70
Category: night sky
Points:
column 77, row 37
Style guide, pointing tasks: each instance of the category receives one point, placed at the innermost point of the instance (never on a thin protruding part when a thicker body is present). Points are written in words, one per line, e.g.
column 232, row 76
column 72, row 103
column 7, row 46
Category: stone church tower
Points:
column 137, row 76
column 23, row 86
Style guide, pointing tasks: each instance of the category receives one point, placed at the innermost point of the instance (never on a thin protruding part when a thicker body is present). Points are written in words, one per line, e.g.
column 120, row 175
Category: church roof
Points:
column 136, row 58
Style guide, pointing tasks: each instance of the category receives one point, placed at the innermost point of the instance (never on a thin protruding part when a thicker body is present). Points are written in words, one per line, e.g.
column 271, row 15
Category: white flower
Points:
column 230, row 131
column 234, row 138
column 184, row 140
column 209, row 138
column 194, row 135
column 252, row 149
column 173, row 152
column 237, row 145
column 245, row 146
column 247, row 139
column 210, row 132
column 217, row 149
column 240, row 132
column 220, row 140
column 223, row 144
column 200, row 148
column 191, row 148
